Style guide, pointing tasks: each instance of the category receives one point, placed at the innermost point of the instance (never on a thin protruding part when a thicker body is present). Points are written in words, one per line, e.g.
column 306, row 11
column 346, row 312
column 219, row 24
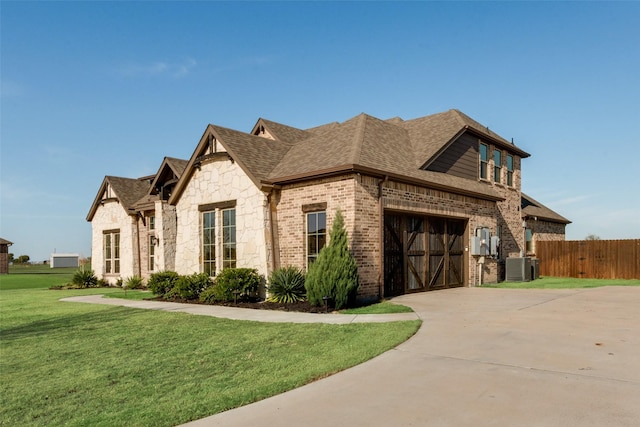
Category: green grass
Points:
column 81, row 364
column 564, row 283
column 383, row 307
column 35, row 276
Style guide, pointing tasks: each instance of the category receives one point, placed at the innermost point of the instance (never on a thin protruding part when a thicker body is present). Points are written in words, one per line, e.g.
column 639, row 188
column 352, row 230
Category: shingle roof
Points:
column 127, row 190
column 258, row 155
column 5, row 242
column 393, row 147
column 283, row 132
column 533, row 208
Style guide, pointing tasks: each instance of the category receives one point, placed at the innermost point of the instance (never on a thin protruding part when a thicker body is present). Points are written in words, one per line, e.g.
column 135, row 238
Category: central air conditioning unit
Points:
column 535, row 268
column 518, row 269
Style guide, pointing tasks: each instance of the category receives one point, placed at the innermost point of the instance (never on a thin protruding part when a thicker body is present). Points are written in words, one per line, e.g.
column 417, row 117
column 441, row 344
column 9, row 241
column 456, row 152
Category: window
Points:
column 484, row 160
column 152, row 251
column 209, row 243
column 112, row 252
column 497, row 165
column 316, row 234
column 229, row 238
column 152, row 222
column 509, row 170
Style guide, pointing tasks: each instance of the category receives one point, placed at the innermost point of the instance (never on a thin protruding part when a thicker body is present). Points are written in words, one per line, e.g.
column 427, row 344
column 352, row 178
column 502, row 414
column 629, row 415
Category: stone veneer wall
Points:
column 111, row 216
column 166, row 228
column 220, row 181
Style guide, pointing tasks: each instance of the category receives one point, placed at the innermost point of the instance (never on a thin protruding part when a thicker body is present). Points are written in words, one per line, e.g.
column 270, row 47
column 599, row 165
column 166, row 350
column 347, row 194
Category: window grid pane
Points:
column 509, row 170
column 484, row 160
column 208, row 243
column 316, row 234
column 497, row 165
column 229, row 238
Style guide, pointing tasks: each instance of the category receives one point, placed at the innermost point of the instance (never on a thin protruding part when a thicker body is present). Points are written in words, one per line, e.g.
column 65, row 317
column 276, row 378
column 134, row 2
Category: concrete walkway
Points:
column 484, row 357
column 271, row 316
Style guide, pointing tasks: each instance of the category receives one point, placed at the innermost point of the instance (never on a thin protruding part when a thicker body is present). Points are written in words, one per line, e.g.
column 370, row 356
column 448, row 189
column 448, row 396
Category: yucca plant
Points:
column 286, row 285
column 84, row 278
column 134, row 282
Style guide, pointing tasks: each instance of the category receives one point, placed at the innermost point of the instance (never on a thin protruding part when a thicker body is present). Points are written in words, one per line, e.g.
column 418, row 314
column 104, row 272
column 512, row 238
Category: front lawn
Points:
column 564, row 283
column 80, row 364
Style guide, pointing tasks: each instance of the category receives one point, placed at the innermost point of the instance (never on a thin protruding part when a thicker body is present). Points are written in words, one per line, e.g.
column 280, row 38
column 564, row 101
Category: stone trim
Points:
column 218, row 205
column 114, row 230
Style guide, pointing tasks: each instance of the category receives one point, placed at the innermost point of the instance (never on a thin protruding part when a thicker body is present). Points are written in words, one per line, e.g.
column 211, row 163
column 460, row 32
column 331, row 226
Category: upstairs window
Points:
column 484, row 160
column 316, row 234
column 152, row 222
column 497, row 165
column 509, row 170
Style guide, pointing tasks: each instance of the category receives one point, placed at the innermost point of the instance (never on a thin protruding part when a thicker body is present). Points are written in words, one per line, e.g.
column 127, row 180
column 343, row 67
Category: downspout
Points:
column 381, row 238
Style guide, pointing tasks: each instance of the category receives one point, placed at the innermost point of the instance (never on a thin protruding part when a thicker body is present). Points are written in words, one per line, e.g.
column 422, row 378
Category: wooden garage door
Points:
column 422, row 253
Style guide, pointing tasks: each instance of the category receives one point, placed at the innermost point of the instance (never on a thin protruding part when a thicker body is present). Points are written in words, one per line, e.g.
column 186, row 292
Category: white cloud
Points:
column 159, row 68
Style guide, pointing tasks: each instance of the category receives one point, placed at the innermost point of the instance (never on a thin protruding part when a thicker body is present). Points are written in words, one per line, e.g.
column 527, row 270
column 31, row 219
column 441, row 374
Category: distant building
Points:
column 4, row 255
column 64, row 260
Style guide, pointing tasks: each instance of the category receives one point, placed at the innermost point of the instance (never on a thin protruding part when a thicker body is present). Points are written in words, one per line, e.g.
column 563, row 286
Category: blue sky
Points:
column 109, row 88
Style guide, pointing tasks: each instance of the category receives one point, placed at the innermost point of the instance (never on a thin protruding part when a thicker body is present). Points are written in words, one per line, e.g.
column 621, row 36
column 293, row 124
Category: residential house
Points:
column 4, row 255
column 414, row 195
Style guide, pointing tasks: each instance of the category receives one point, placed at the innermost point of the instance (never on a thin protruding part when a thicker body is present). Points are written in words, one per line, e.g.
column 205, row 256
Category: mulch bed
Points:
column 303, row 306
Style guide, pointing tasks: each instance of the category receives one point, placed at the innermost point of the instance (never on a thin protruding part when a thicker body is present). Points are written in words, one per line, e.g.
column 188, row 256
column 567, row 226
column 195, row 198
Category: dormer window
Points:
column 497, row 165
column 484, row 160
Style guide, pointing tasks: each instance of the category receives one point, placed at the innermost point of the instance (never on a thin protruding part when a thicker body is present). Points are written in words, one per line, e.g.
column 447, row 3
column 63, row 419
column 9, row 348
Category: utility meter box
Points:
column 481, row 242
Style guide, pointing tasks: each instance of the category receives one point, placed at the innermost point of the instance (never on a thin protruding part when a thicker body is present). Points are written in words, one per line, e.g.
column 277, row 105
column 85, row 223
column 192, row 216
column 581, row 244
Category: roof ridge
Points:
column 359, row 136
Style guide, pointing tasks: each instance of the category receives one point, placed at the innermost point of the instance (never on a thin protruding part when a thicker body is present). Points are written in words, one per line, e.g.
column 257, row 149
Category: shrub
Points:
column 286, row 285
column 189, row 287
column 243, row 280
column 334, row 273
column 84, row 278
column 162, row 282
column 134, row 282
column 208, row 296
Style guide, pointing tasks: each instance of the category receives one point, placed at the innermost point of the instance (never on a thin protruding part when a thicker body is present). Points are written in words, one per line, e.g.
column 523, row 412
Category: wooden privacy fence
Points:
column 590, row 259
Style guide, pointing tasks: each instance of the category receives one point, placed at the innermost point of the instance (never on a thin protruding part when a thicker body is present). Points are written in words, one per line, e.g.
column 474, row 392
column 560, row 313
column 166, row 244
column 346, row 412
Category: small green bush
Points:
column 162, row 282
column 286, row 285
column 334, row 273
column 84, row 278
column 208, row 296
column 244, row 280
column 189, row 287
column 134, row 282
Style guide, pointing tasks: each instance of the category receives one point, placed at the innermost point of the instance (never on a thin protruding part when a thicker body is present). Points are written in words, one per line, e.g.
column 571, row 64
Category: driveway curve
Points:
column 484, row 357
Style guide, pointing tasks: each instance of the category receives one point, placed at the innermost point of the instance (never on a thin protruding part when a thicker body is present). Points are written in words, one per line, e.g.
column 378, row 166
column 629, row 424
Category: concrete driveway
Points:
column 484, row 357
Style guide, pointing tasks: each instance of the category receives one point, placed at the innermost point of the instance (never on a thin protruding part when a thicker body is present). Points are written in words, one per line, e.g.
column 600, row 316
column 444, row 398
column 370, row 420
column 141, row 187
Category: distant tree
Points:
column 22, row 259
column 10, row 257
column 592, row 237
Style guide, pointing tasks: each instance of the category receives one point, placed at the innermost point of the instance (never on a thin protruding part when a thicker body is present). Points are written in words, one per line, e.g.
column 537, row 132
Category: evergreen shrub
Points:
column 334, row 274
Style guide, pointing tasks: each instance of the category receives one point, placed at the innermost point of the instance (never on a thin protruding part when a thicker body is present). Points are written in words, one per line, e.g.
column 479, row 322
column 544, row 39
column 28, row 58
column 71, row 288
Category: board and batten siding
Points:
column 459, row 159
